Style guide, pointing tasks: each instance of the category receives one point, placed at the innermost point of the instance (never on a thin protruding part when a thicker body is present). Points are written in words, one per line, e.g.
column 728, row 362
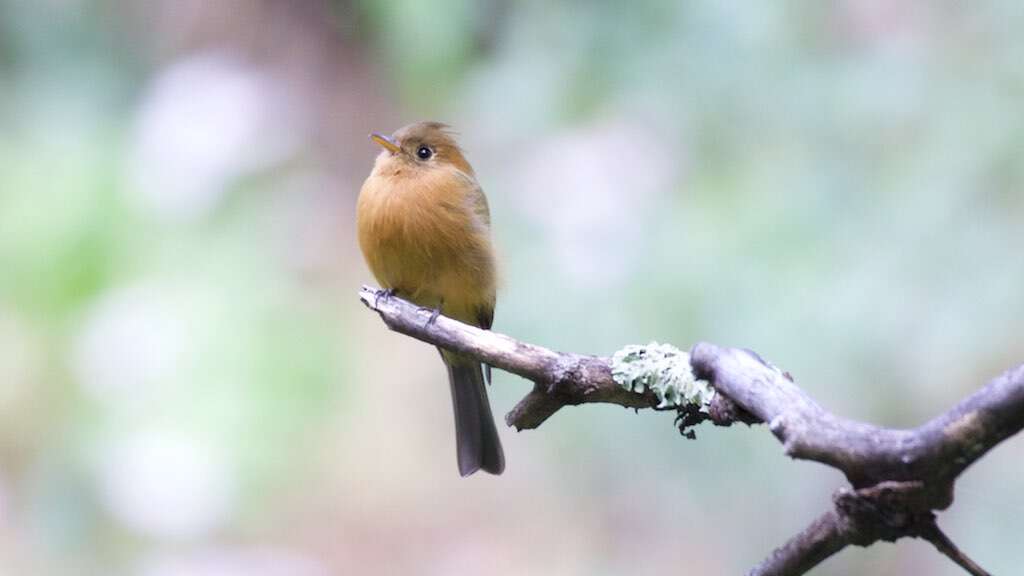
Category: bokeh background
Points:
column 189, row 386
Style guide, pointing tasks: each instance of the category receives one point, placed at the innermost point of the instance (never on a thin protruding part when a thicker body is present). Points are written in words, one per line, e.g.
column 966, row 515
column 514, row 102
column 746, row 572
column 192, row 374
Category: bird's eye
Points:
column 424, row 153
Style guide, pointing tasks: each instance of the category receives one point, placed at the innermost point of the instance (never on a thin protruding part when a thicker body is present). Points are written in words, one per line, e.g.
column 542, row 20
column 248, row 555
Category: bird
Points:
column 424, row 229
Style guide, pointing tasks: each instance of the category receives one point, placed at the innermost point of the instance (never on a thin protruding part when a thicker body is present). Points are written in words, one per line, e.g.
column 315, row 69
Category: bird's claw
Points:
column 385, row 294
column 434, row 313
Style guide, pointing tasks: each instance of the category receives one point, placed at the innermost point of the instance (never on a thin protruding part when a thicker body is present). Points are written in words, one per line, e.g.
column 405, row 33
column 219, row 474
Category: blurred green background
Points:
column 188, row 384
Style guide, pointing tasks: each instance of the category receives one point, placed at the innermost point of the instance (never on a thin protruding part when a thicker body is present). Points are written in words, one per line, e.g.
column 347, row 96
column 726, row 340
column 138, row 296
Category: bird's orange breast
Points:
column 422, row 233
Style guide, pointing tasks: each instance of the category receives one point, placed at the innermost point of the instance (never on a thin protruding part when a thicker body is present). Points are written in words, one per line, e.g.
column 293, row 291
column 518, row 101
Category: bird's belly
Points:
column 434, row 262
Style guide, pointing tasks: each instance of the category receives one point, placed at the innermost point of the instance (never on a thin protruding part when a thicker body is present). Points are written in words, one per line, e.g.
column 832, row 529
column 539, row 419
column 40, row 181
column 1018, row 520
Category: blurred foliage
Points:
column 188, row 385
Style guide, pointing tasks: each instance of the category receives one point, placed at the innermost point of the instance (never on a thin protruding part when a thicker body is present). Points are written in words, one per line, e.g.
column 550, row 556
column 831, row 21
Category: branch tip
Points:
column 945, row 545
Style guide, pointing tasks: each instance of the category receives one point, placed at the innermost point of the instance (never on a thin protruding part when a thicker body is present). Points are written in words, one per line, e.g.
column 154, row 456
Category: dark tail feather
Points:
column 476, row 438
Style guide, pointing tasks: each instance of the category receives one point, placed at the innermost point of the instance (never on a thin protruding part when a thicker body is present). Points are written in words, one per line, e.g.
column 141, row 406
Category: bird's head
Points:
column 422, row 146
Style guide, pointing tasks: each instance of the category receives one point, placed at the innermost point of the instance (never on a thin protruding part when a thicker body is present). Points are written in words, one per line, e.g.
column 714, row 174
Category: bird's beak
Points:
column 386, row 142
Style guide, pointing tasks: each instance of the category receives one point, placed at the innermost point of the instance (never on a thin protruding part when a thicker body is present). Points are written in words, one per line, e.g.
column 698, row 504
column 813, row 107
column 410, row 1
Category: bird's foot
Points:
column 383, row 294
column 434, row 313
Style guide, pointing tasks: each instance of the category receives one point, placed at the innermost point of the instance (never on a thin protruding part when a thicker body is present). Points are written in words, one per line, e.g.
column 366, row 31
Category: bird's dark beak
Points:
column 386, row 142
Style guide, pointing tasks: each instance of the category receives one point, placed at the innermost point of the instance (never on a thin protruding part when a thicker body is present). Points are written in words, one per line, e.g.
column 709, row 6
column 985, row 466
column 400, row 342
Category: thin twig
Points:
column 938, row 538
column 823, row 538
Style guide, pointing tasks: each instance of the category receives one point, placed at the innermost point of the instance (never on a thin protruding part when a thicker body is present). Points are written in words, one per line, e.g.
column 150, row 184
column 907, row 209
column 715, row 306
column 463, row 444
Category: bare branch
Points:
column 947, row 547
column 823, row 538
column 939, row 450
column 561, row 379
column 899, row 477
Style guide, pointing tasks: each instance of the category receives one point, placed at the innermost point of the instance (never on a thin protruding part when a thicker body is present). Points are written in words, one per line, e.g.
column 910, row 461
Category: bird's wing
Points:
column 485, row 316
column 477, row 200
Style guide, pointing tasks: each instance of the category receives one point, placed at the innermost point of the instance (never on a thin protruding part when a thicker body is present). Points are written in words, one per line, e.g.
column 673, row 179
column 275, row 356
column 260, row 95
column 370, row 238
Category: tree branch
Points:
column 823, row 538
column 561, row 379
column 898, row 477
column 943, row 544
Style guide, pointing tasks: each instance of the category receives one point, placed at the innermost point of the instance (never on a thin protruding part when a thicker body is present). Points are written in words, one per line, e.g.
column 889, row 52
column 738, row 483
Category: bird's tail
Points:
column 476, row 439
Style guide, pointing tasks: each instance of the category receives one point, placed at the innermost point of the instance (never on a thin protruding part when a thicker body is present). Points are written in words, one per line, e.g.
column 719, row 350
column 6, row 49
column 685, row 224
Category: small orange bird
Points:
column 425, row 231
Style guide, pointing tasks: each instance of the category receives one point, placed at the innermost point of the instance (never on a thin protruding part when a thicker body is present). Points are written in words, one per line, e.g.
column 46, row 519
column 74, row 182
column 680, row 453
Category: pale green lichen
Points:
column 664, row 370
